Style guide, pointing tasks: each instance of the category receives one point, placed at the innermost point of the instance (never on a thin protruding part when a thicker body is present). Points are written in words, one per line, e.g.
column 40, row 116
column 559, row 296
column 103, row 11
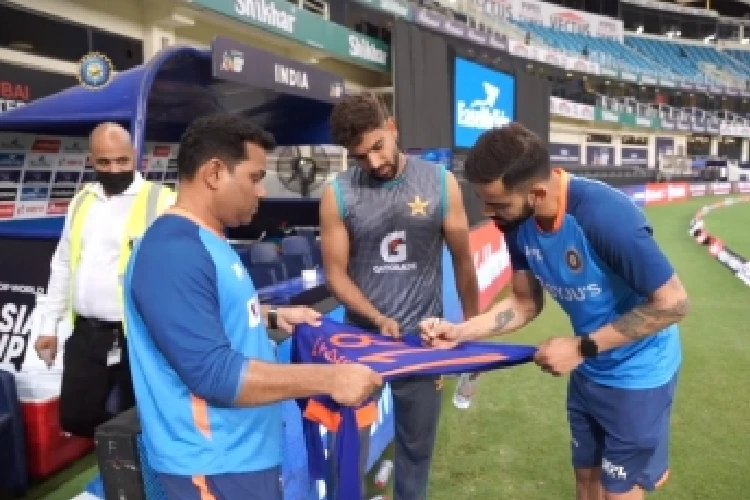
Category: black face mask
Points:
column 115, row 183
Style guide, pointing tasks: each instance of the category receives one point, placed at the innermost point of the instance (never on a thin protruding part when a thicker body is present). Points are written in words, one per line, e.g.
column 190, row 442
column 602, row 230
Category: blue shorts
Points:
column 623, row 431
column 260, row 485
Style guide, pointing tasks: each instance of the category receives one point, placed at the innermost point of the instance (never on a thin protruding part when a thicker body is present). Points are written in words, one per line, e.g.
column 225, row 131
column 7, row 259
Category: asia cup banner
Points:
column 39, row 176
column 24, row 272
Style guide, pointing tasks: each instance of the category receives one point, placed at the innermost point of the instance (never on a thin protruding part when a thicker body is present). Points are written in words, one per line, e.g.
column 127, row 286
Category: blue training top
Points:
column 599, row 262
column 193, row 325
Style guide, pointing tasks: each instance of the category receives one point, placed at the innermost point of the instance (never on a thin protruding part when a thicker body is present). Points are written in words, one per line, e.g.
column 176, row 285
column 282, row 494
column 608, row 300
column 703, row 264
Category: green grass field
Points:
column 513, row 444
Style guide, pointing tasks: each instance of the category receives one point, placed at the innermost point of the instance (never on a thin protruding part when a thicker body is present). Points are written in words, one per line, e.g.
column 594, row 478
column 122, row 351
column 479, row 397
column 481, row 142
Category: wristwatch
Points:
column 273, row 319
column 588, row 348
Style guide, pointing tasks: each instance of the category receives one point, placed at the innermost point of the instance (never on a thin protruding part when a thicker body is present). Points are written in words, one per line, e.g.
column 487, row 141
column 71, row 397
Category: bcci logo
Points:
column 95, row 70
column 573, row 260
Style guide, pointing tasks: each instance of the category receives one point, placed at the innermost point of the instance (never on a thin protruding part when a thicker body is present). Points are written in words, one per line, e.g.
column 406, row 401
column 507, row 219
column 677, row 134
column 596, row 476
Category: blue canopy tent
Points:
column 156, row 100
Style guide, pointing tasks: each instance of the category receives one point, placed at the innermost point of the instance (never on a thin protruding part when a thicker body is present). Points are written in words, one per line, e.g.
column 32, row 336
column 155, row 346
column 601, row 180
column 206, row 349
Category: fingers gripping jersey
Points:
column 334, row 342
column 599, row 262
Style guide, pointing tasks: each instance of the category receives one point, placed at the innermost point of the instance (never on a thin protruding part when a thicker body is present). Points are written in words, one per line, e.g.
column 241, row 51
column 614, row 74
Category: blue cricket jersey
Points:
column 193, row 327
column 599, row 262
column 334, row 342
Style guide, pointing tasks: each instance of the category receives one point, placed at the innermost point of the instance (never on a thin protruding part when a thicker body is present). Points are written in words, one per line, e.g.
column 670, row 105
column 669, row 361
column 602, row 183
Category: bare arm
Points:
column 666, row 306
column 266, row 383
column 178, row 301
column 456, row 230
column 510, row 314
column 335, row 249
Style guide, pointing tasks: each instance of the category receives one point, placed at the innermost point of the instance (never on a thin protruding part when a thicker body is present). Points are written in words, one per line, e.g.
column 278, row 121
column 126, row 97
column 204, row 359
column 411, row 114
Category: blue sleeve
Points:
column 339, row 197
column 517, row 257
column 621, row 235
column 174, row 290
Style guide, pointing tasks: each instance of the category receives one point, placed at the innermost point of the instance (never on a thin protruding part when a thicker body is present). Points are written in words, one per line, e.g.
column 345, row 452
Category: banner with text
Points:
column 637, row 194
column 430, row 19
column 634, row 157
column 553, row 57
column 236, row 62
column 554, row 16
column 491, row 261
column 24, row 271
column 564, row 154
column 283, row 18
column 40, row 174
column 570, row 109
column 19, row 85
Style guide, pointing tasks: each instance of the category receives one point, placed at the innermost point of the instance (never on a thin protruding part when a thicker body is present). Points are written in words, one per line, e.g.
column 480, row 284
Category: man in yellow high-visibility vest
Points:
column 87, row 269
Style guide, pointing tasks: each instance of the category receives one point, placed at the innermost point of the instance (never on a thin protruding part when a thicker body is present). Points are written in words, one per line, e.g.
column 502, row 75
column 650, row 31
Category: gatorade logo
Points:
column 393, row 247
column 393, row 251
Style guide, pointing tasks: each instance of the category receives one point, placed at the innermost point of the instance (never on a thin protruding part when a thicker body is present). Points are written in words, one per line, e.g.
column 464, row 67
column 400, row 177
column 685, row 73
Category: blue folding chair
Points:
column 14, row 477
column 317, row 254
column 263, row 275
column 294, row 265
column 264, row 252
column 297, row 245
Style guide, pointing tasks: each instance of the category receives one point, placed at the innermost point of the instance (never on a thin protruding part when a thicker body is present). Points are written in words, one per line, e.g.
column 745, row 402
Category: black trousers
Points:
column 87, row 380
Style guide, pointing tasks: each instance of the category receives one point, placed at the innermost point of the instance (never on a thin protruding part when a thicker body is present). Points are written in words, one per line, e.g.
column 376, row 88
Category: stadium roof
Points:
column 157, row 99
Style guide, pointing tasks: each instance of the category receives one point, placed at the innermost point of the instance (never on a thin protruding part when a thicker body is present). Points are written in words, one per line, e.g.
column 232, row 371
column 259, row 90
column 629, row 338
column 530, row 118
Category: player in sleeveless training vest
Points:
column 593, row 251
column 384, row 223
column 205, row 370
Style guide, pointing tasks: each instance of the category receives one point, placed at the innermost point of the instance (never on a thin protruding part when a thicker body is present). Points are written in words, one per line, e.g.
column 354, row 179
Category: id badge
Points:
column 114, row 356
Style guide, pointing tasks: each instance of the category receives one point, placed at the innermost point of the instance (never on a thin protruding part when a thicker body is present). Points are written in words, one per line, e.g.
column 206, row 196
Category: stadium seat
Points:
column 263, row 252
column 309, row 234
column 741, row 56
column 317, row 254
column 297, row 245
column 244, row 254
column 608, row 53
column 263, row 275
column 13, row 472
column 294, row 265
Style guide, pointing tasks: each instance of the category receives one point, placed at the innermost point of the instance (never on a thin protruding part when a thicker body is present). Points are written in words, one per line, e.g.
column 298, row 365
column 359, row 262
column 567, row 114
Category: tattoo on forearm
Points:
column 504, row 318
column 646, row 320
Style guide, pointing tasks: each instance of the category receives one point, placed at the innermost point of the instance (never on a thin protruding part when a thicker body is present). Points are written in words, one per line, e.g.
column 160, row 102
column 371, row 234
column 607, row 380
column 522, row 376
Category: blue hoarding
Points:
column 484, row 98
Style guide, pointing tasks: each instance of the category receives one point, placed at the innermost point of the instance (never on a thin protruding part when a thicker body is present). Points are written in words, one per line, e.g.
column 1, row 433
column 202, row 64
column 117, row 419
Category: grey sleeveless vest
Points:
column 396, row 240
